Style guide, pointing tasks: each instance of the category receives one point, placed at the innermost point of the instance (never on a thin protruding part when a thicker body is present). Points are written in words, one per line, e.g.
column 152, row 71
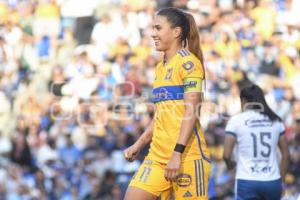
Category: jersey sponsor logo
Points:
column 258, row 123
column 168, row 93
column 187, row 194
column 163, row 94
column 256, row 170
column 189, row 65
column 184, row 180
column 169, row 74
column 260, row 167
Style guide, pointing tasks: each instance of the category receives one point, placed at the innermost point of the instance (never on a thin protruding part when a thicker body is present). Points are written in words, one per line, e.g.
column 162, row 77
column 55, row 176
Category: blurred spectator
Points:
column 46, row 27
column 21, row 152
column 68, row 152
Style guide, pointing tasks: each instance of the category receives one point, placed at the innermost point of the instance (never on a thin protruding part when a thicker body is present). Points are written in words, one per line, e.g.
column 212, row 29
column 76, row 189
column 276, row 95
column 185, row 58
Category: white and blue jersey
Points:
column 256, row 147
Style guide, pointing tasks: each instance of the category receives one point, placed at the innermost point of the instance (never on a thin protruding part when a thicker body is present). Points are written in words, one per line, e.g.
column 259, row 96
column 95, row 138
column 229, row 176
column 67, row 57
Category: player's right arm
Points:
column 132, row 152
column 229, row 144
column 285, row 156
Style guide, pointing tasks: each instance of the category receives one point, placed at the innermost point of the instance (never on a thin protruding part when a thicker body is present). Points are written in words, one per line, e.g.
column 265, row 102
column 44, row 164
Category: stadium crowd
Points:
column 76, row 80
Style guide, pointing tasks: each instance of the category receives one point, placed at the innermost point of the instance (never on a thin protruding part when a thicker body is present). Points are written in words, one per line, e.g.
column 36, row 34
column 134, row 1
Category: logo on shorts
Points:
column 148, row 162
column 184, row 180
column 187, row 194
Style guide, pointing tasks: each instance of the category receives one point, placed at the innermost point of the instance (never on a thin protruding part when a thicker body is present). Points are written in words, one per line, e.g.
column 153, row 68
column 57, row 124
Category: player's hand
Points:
column 173, row 166
column 131, row 152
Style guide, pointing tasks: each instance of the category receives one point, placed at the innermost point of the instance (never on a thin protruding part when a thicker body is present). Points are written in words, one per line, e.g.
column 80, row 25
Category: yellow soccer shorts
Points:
column 191, row 183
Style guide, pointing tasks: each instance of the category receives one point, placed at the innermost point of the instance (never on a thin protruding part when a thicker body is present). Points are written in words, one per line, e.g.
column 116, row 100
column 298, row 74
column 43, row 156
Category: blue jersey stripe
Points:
column 168, row 93
column 186, row 52
column 183, row 52
column 180, row 53
column 199, row 144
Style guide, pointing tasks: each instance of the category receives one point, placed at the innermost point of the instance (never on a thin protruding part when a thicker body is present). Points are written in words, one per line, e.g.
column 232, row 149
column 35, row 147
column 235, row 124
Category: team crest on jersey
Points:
column 169, row 74
column 188, row 65
column 184, row 180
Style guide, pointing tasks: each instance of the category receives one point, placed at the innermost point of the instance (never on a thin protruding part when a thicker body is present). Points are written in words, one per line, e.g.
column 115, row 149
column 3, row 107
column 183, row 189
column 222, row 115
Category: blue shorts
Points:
column 258, row 190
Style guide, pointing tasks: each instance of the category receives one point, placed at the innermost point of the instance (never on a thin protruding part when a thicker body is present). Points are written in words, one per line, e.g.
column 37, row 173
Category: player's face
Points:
column 162, row 33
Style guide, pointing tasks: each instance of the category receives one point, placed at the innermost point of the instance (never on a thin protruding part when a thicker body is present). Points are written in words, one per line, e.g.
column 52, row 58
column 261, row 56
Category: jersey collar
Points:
column 165, row 60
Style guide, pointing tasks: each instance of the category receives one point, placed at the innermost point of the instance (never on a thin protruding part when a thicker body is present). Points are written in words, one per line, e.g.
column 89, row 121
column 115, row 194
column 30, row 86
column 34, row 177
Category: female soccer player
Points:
column 257, row 132
column 178, row 159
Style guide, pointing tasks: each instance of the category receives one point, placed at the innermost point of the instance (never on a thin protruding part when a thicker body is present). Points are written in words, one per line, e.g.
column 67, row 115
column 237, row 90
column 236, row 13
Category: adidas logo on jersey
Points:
column 187, row 194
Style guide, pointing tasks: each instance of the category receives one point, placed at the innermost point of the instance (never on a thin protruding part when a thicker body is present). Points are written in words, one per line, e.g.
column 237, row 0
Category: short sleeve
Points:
column 231, row 127
column 191, row 67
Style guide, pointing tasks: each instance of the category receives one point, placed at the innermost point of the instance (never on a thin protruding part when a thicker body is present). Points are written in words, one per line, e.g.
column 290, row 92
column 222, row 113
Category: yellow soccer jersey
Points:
column 182, row 73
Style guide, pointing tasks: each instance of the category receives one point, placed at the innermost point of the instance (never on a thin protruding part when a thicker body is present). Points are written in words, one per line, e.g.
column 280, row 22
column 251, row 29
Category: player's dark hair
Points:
column 189, row 31
column 255, row 99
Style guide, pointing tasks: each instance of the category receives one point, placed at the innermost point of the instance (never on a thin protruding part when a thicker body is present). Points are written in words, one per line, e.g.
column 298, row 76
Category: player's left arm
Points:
column 192, row 77
column 192, row 101
column 283, row 146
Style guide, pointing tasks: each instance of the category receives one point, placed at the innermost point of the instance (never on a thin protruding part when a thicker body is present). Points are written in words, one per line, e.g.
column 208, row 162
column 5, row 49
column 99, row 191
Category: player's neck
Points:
column 171, row 52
